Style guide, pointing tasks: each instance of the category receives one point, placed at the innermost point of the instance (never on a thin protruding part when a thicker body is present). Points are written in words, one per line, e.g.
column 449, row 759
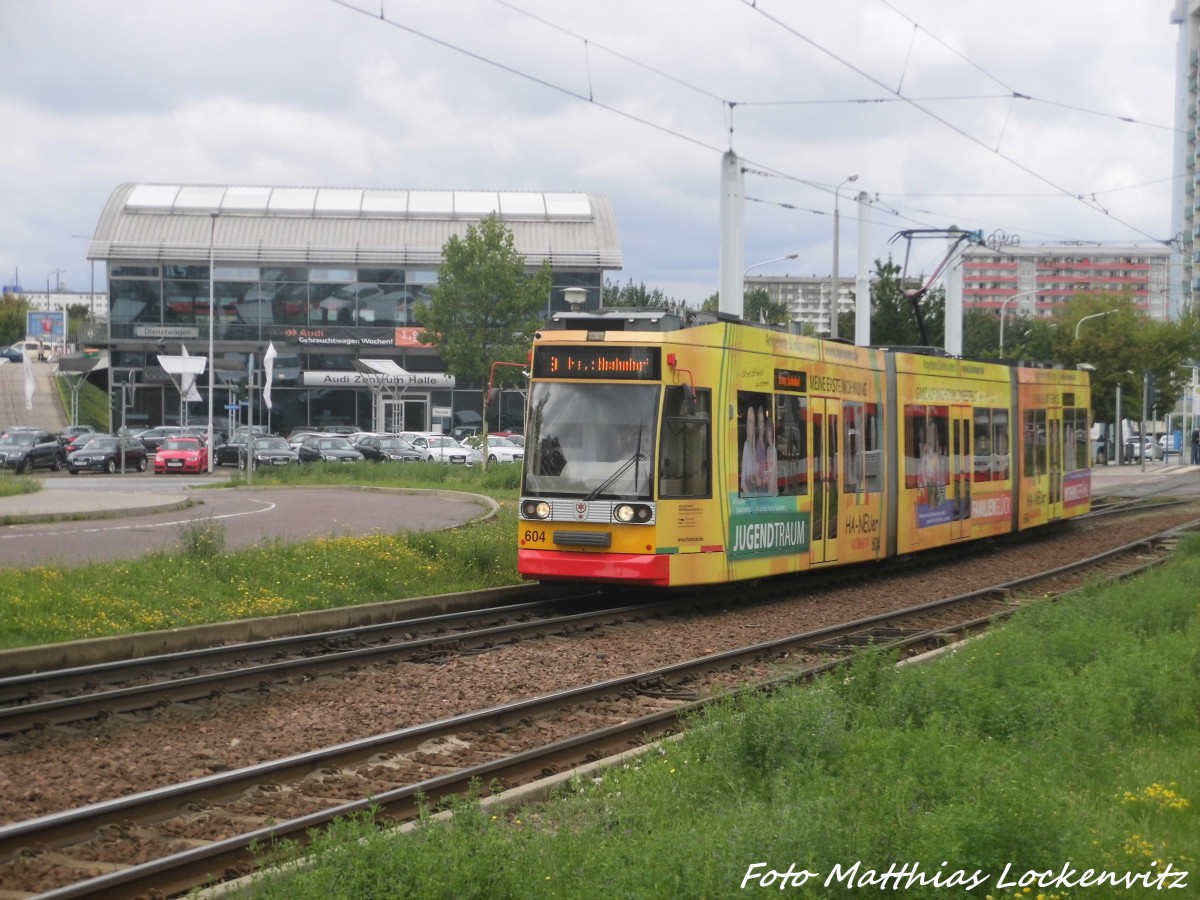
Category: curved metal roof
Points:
column 346, row 226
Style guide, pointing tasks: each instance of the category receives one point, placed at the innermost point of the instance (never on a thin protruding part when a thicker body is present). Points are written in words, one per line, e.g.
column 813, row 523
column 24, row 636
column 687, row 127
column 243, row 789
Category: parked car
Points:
column 388, row 448
column 1134, row 450
column 461, row 432
column 300, row 431
column 440, row 448
column 499, row 449
column 72, row 433
column 1166, row 443
column 107, row 453
column 296, row 438
column 26, row 450
column 271, row 450
column 181, row 454
column 233, row 451
column 12, row 354
column 152, row 438
column 327, row 448
column 27, row 348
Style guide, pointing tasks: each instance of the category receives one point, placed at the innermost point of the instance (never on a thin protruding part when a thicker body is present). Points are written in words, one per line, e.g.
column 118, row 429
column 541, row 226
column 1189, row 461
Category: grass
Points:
column 1063, row 742
column 12, row 484
column 93, row 403
column 200, row 582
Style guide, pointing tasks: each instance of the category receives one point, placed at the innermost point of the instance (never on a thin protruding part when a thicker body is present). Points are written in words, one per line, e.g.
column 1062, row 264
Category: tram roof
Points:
column 346, row 226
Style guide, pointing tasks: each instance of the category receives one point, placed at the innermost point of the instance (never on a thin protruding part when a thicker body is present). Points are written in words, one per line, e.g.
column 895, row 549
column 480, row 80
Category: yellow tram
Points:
column 666, row 452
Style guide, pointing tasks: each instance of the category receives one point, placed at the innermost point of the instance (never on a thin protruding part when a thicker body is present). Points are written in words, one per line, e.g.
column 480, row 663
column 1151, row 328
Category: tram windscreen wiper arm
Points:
column 636, row 458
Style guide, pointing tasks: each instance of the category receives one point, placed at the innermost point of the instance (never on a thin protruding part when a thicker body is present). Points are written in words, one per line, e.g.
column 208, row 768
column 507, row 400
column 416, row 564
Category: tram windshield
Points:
column 591, row 440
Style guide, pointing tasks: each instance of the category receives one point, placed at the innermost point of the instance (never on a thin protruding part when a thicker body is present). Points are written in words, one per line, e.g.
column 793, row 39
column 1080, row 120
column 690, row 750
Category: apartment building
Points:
column 1040, row 278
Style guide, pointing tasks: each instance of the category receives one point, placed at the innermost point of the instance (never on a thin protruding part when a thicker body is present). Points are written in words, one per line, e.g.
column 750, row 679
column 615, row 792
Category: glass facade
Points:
column 376, row 310
column 248, row 301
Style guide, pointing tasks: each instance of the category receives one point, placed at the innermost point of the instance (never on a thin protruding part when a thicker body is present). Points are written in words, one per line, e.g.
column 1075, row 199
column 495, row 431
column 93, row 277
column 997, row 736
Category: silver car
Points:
column 439, row 448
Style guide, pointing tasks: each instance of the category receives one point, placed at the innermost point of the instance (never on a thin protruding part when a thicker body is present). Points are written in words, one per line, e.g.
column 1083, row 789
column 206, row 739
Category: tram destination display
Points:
column 625, row 363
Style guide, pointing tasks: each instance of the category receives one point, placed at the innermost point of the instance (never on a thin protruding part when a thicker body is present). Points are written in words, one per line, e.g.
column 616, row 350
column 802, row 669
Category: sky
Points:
column 1029, row 120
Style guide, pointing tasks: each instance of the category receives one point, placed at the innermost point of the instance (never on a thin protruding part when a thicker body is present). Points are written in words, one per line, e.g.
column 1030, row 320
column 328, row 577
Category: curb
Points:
column 26, row 516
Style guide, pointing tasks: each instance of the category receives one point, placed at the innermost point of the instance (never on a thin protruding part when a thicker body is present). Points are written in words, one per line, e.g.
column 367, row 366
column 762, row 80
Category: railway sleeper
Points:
column 859, row 639
column 664, row 690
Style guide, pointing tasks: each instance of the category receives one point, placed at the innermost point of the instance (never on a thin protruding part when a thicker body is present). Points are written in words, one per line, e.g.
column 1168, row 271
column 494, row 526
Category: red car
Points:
column 181, row 454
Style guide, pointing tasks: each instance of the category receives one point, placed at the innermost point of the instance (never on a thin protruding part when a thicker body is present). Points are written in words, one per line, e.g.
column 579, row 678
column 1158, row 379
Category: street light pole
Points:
column 837, row 233
column 1004, row 309
column 767, row 262
column 212, row 230
column 1092, row 316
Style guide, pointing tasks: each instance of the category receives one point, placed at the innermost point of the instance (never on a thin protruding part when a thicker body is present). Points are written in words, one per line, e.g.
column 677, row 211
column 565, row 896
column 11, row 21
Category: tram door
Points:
column 826, row 489
column 1054, row 447
column 961, row 467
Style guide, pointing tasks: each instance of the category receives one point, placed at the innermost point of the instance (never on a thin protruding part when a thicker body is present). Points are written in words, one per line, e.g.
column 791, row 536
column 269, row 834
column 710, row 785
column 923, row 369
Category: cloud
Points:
column 632, row 99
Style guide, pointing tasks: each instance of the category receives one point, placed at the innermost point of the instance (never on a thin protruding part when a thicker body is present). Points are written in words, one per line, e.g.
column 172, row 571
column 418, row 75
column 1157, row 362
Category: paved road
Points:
column 249, row 517
column 46, row 412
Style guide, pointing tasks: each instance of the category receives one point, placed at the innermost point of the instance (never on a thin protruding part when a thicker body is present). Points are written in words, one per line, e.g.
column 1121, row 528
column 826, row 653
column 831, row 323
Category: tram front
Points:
column 587, row 506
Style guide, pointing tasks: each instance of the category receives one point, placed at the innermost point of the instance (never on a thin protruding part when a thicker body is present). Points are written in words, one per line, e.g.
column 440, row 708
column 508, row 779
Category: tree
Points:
column 486, row 305
column 12, row 319
column 759, row 307
column 1122, row 347
column 981, row 333
column 893, row 323
column 631, row 295
column 77, row 315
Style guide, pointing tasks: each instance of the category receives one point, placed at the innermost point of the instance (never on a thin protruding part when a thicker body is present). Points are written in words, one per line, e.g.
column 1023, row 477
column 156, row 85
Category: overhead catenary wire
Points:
column 788, row 29
column 728, row 105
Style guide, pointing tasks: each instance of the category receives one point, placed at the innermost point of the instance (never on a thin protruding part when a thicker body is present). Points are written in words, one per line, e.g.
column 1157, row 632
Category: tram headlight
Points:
column 632, row 512
column 535, row 509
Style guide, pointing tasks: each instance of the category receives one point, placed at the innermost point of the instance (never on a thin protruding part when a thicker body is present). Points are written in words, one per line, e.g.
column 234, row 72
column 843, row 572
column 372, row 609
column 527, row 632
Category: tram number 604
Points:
column 534, row 537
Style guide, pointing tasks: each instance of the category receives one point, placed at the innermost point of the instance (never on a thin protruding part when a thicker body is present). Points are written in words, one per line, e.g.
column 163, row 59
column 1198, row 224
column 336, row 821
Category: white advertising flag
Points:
column 187, row 383
column 30, row 383
column 268, row 372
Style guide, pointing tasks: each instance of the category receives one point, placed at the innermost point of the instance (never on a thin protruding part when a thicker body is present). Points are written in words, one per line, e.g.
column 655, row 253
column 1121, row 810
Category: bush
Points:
column 202, row 539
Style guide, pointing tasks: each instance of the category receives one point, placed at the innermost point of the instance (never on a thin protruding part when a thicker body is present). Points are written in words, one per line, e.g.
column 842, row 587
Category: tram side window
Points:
column 1035, row 443
column 991, row 445
column 852, row 449
column 685, row 469
column 927, row 448
column 860, row 448
column 1075, row 426
column 758, row 463
column 791, row 444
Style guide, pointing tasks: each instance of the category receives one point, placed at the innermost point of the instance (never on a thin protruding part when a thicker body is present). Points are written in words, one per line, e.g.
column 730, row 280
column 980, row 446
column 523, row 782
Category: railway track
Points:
column 43, row 699
column 170, row 839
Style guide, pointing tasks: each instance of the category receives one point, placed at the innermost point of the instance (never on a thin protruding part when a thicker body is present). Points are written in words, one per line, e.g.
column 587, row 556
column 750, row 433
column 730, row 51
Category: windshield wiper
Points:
column 607, row 482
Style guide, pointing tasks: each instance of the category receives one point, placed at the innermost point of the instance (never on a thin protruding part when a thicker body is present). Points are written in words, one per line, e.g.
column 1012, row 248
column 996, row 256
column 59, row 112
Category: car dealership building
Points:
column 333, row 278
